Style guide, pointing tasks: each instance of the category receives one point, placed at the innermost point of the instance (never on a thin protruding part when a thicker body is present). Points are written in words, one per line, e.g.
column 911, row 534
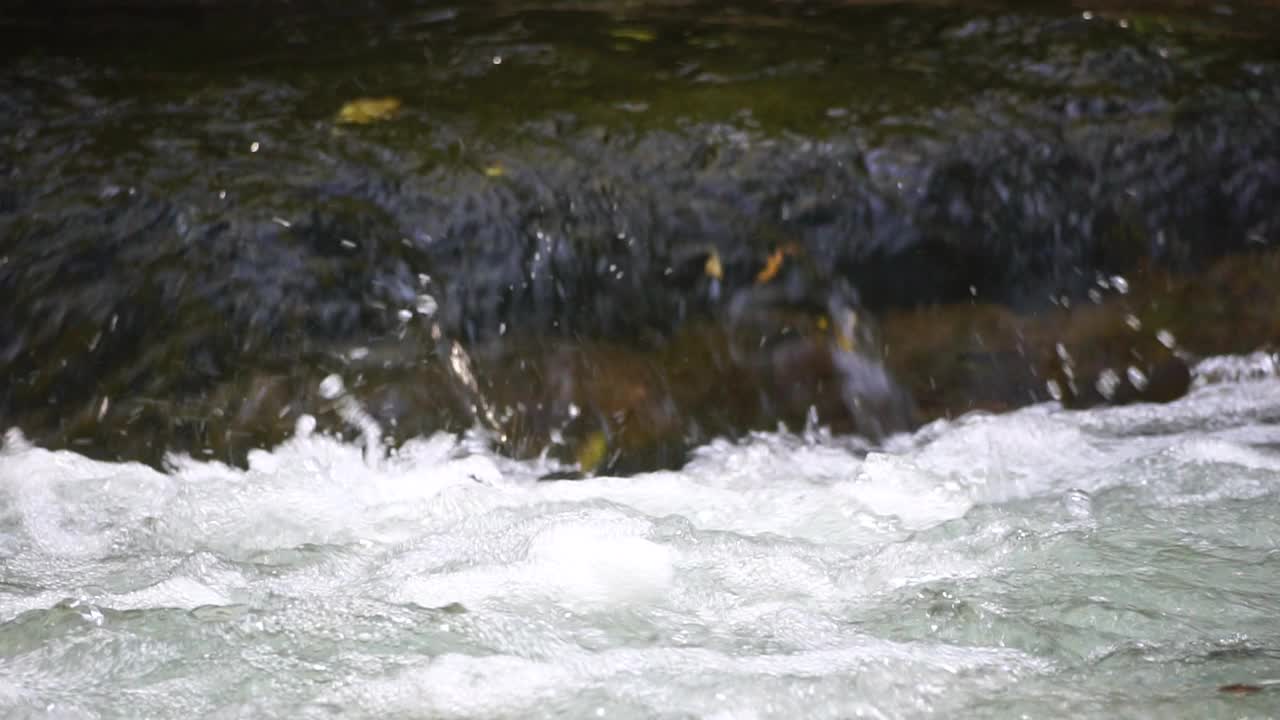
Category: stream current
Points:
column 1118, row 562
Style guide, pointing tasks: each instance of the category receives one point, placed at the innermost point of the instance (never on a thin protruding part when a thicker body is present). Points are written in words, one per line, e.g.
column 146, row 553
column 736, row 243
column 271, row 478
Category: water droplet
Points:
column 427, row 305
column 1137, row 378
column 1107, row 382
column 497, row 59
column 305, row 426
column 331, row 387
column 404, row 315
column 1133, row 322
column 253, row 148
column 1120, row 284
column 1055, row 390
column 1166, row 338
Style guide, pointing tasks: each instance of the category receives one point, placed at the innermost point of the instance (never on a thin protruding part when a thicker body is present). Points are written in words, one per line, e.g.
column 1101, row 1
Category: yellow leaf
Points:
column 634, row 34
column 592, row 451
column 713, row 268
column 363, row 111
column 494, row 171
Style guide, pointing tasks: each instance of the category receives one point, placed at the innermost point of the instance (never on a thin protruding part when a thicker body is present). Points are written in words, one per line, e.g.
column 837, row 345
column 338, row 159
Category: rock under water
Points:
column 190, row 241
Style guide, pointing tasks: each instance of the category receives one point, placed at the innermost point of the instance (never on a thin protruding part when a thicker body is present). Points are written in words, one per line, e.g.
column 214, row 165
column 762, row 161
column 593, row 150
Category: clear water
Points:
column 1112, row 563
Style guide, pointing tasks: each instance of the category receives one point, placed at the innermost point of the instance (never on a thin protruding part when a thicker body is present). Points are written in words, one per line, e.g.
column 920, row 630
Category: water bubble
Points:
column 404, row 315
column 253, row 148
column 358, row 353
column 1166, row 338
column 331, row 387
column 427, row 305
column 1120, row 284
column 1133, row 322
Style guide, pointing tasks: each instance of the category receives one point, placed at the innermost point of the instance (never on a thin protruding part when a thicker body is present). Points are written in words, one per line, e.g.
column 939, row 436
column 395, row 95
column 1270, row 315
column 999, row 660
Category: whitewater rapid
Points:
column 1120, row 562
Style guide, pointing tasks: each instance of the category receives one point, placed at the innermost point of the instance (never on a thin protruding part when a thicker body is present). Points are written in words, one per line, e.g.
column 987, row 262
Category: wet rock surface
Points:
column 617, row 234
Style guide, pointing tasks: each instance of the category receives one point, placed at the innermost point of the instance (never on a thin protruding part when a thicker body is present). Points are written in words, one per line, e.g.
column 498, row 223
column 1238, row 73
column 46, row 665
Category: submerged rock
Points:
column 675, row 242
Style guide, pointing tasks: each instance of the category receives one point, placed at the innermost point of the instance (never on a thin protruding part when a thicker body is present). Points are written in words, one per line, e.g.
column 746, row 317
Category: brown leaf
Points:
column 1240, row 689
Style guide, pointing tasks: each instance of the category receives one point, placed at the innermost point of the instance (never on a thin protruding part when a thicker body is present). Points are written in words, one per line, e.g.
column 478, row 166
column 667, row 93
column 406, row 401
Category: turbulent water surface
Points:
column 610, row 237
column 1119, row 562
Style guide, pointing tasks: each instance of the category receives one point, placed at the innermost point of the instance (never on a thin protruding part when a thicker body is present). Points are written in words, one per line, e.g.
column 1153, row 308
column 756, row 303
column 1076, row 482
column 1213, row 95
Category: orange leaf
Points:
column 771, row 268
column 774, row 263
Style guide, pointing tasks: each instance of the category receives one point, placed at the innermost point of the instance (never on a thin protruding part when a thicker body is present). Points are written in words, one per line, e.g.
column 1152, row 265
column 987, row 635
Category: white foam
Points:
column 779, row 576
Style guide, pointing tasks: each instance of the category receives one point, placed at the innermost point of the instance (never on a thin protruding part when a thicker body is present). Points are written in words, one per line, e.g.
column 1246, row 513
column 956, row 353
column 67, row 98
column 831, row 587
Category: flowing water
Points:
column 1120, row 562
column 535, row 237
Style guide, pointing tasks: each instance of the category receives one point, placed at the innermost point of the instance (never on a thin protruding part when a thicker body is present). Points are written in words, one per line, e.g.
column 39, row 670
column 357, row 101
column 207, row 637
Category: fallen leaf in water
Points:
column 363, row 111
column 495, row 171
column 771, row 267
column 713, row 268
column 1240, row 689
column 634, row 34
column 774, row 263
column 592, row 451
